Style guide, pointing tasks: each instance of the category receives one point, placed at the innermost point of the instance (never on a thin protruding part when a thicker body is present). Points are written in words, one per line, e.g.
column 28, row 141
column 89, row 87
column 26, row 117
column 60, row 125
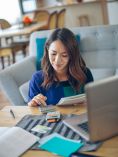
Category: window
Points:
column 27, row 6
column 10, row 10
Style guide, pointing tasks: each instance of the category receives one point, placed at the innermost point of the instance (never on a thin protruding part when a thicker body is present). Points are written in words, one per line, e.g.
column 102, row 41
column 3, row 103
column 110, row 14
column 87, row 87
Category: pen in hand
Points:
column 12, row 113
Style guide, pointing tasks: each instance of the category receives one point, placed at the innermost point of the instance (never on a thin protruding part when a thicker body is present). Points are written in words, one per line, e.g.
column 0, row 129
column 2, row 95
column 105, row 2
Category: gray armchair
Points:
column 98, row 46
column 13, row 77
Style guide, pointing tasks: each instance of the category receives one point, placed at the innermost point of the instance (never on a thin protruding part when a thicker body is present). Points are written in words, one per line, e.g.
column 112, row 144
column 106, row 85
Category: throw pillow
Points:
column 40, row 42
column 78, row 38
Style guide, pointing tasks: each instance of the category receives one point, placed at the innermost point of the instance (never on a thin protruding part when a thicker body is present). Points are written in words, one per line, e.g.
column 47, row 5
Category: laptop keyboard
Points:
column 84, row 126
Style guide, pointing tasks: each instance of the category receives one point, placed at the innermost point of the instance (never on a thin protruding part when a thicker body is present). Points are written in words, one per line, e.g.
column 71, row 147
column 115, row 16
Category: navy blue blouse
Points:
column 57, row 90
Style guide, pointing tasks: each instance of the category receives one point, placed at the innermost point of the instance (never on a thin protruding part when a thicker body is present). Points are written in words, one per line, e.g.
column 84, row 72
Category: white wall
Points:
column 113, row 11
column 93, row 10
column 9, row 10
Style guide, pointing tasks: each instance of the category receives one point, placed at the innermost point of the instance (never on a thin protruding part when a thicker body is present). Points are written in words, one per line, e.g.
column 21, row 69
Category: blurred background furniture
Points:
column 10, row 46
column 98, row 46
column 51, row 22
column 17, row 38
column 41, row 15
column 4, row 24
column 84, row 20
column 5, row 53
column 61, row 18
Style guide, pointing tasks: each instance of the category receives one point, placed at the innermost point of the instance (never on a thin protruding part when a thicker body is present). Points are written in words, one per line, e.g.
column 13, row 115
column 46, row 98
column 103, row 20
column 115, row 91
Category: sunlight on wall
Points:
column 10, row 10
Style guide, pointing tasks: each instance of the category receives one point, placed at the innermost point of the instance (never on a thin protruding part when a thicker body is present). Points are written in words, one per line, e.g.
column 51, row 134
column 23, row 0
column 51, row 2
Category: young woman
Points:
column 63, row 73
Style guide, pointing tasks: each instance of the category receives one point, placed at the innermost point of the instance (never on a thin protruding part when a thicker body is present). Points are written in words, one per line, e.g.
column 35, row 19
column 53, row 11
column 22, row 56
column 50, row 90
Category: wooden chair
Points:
column 40, row 16
column 61, row 18
column 13, row 47
column 52, row 22
column 5, row 51
column 4, row 24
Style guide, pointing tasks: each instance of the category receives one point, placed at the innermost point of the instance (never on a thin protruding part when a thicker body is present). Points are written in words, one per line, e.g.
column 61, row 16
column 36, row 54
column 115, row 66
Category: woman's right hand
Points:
column 38, row 100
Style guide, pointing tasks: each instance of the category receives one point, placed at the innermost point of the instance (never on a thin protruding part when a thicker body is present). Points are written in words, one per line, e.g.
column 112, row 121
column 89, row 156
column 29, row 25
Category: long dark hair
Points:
column 76, row 66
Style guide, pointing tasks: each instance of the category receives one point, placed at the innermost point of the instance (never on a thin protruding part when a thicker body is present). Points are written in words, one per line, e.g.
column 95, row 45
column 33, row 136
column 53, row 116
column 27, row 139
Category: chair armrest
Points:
column 14, row 76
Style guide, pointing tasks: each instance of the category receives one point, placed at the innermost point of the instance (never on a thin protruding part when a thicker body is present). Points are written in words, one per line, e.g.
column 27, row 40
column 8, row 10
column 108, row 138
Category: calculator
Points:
column 46, row 109
column 53, row 116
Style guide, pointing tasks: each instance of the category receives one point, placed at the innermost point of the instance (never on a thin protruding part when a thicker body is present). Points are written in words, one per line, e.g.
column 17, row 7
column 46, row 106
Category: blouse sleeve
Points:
column 35, row 85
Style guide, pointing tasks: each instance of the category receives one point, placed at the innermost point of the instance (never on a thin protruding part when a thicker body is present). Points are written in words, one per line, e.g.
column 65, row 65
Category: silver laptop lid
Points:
column 102, row 105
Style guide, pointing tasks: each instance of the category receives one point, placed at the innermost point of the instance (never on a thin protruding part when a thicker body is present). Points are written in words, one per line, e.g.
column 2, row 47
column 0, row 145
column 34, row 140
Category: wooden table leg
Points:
column 2, row 61
column 13, row 56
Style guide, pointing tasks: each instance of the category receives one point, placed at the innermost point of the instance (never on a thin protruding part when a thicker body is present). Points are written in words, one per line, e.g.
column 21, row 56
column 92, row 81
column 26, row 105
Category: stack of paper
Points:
column 60, row 145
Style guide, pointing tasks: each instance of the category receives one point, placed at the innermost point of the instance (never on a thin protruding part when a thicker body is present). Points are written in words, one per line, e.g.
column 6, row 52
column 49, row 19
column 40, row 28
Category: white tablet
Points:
column 72, row 100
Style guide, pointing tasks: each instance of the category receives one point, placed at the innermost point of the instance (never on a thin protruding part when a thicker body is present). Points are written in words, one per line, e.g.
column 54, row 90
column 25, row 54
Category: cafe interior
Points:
column 23, row 23
column 26, row 16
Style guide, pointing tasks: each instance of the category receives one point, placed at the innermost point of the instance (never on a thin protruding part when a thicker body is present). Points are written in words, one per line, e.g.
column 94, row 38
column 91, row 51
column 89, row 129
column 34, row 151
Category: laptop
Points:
column 101, row 120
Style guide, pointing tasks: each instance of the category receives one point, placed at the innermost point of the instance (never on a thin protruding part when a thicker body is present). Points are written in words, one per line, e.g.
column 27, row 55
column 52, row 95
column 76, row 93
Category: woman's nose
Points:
column 58, row 59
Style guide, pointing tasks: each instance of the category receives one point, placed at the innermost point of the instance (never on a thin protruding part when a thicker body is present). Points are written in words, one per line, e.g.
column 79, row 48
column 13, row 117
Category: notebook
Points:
column 60, row 145
column 15, row 141
column 101, row 120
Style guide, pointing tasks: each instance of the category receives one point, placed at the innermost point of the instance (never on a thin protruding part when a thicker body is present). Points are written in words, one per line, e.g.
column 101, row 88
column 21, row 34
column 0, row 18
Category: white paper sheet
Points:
column 15, row 141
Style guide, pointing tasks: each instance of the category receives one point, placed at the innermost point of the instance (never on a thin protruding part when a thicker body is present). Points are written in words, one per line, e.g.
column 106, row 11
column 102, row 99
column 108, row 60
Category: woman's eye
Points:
column 64, row 55
column 53, row 54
